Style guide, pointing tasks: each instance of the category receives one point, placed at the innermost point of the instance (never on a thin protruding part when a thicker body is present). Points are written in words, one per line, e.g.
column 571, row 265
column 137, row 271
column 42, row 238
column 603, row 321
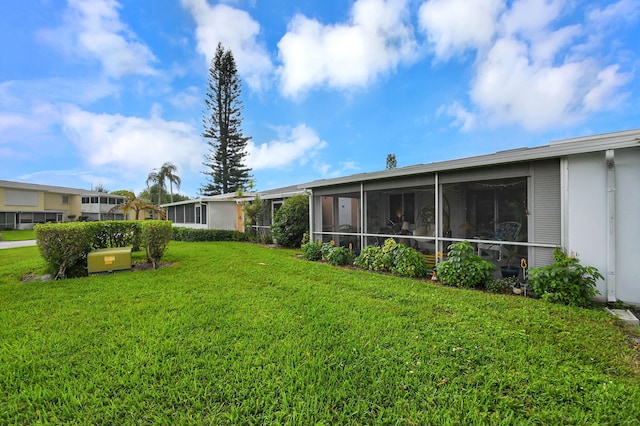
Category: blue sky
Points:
column 103, row 91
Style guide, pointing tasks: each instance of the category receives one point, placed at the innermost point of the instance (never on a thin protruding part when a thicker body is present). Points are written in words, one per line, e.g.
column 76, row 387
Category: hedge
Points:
column 65, row 246
column 193, row 235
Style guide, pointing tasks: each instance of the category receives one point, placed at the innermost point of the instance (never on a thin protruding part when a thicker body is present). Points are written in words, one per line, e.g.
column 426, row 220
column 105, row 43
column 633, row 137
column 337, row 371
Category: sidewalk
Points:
column 14, row 244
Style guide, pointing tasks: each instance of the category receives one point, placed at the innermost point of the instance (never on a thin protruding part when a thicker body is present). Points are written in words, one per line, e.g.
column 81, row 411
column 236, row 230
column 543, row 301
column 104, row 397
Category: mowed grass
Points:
column 236, row 333
column 14, row 235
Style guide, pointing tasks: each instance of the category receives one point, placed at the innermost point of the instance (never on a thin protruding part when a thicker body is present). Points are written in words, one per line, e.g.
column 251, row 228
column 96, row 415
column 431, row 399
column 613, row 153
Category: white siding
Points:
column 586, row 224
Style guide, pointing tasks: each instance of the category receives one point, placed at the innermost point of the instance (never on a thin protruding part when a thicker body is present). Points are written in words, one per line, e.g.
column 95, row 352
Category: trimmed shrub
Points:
column 115, row 233
column 291, row 221
column 155, row 236
column 63, row 245
column 565, row 281
column 194, row 235
column 464, row 268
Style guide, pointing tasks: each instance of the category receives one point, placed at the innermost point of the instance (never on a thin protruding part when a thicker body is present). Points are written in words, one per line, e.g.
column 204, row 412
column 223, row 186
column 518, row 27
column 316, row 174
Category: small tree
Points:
column 291, row 221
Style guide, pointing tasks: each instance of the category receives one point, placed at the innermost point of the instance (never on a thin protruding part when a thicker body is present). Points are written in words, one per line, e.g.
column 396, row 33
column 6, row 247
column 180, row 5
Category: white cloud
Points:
column 132, row 143
column 529, row 18
column 377, row 38
column 93, row 29
column 298, row 144
column 529, row 70
column 187, row 98
column 615, row 13
column 453, row 26
column 16, row 94
column 510, row 88
column 236, row 30
column 604, row 93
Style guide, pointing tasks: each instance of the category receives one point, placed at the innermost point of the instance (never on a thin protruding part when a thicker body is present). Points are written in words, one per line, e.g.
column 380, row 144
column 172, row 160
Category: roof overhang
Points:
column 555, row 149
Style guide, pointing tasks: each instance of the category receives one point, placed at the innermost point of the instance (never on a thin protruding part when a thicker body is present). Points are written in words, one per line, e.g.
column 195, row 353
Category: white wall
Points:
column 586, row 219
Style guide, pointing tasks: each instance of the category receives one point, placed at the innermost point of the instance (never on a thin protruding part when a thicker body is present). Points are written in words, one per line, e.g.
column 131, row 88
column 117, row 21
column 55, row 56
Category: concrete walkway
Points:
column 14, row 244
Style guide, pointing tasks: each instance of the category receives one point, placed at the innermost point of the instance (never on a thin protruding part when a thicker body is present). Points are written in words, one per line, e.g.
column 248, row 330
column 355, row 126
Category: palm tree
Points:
column 166, row 172
column 154, row 178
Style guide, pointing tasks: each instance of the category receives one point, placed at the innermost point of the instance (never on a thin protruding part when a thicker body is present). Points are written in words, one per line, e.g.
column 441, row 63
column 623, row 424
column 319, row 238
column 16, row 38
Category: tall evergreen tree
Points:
column 392, row 163
column 226, row 170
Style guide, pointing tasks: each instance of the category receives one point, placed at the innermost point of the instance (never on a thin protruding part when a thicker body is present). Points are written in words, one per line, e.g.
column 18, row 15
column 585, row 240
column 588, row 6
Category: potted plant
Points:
column 509, row 270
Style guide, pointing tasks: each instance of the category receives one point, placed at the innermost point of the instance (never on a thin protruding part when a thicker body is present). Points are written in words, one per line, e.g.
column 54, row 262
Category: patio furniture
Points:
column 505, row 231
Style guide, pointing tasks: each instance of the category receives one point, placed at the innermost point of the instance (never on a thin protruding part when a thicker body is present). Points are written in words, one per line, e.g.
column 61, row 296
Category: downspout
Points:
column 362, row 216
column 611, row 235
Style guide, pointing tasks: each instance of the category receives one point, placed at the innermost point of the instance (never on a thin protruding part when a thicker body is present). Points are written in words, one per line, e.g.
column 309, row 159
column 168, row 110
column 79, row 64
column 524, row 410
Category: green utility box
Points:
column 107, row 260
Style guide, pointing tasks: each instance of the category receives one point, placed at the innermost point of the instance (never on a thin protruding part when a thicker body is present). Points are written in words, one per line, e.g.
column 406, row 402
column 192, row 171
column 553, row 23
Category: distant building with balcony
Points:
column 22, row 205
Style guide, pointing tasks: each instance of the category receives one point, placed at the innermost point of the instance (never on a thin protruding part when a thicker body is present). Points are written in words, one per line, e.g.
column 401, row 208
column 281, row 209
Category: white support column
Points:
column 311, row 213
column 611, row 231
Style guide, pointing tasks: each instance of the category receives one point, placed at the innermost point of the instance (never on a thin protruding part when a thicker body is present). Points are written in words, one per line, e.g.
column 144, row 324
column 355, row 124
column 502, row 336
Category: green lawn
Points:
column 13, row 235
column 235, row 333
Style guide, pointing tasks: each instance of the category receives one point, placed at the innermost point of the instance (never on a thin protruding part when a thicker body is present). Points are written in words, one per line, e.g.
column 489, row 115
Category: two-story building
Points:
column 24, row 204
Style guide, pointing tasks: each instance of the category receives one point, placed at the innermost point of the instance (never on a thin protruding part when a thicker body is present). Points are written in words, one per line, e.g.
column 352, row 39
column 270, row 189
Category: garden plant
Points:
column 565, row 281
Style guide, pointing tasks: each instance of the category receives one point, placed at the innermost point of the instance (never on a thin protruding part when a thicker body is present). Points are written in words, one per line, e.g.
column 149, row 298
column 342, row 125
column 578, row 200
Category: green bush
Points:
column 155, row 236
column 312, row 251
column 408, row 262
column 565, row 281
column 369, row 256
column 115, row 233
column 63, row 245
column 340, row 256
column 291, row 221
column 194, row 235
column 464, row 268
column 393, row 257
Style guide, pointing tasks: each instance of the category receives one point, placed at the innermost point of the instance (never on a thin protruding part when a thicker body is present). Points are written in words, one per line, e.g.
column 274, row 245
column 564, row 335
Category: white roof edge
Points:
column 54, row 189
column 555, row 149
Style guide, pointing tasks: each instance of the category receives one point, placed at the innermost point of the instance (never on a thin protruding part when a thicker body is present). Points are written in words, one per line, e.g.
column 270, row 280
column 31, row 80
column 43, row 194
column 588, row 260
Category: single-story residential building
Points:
column 581, row 195
column 24, row 204
column 224, row 211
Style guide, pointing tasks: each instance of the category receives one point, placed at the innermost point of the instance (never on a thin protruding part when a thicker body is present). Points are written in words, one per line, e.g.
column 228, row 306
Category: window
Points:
column 65, row 199
column 204, row 214
column 94, row 200
column 189, row 213
column 197, row 214
column 85, row 200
